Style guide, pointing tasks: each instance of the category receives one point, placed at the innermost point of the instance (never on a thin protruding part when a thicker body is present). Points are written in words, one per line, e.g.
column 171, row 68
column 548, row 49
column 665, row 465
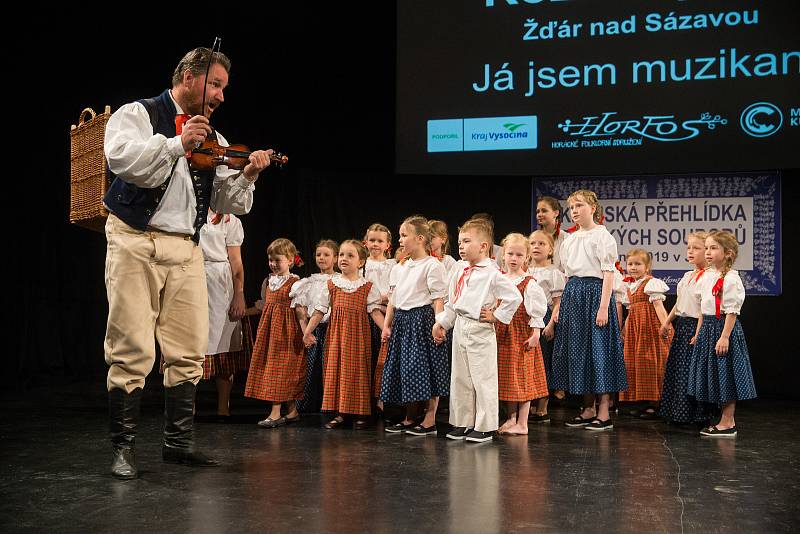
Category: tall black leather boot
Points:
column 178, row 423
column 123, row 409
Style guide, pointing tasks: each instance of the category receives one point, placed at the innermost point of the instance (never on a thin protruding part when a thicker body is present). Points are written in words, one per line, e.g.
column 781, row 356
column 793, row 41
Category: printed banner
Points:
column 656, row 213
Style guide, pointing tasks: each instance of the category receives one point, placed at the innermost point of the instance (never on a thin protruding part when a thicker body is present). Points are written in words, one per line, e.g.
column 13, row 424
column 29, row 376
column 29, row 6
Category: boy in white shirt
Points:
column 473, row 293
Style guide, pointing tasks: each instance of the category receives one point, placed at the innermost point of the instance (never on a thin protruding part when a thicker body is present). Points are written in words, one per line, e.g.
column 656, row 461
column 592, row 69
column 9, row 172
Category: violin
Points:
column 210, row 154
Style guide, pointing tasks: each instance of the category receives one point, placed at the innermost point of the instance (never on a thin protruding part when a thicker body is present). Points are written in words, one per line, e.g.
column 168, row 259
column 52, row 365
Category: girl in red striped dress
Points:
column 352, row 300
column 645, row 349
column 520, row 367
column 278, row 365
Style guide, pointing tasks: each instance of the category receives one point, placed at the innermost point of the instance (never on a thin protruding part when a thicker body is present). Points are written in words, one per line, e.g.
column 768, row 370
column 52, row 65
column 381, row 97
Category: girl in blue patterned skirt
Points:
column 720, row 371
column 587, row 355
column 416, row 368
column 676, row 405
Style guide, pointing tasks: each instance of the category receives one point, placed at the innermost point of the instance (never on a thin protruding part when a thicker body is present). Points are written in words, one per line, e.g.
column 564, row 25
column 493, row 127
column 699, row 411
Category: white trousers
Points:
column 473, row 379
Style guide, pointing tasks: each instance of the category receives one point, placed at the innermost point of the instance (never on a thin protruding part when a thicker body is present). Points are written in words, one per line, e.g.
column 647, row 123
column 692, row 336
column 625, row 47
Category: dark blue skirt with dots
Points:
column 416, row 369
column 547, row 351
column 587, row 358
column 676, row 405
column 375, row 343
column 720, row 379
column 312, row 392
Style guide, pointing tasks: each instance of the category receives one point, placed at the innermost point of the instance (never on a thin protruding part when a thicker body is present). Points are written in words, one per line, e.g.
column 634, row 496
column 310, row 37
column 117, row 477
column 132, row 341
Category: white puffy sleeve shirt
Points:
column 138, row 156
column 620, row 289
column 733, row 293
column 417, row 283
column 307, row 291
column 534, row 300
column 484, row 285
column 655, row 289
column 589, row 252
column 323, row 303
column 687, row 305
column 377, row 272
column 551, row 280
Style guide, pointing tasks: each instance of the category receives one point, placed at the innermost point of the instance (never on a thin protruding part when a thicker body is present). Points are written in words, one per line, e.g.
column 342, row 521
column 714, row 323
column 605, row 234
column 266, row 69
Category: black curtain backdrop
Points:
column 314, row 81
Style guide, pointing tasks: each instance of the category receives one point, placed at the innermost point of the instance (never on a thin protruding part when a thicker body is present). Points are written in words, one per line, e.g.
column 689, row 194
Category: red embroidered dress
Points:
column 520, row 371
column 278, row 365
column 348, row 353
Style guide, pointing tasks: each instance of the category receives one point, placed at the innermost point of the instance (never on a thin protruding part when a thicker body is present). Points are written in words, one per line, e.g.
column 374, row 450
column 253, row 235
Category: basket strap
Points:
column 82, row 118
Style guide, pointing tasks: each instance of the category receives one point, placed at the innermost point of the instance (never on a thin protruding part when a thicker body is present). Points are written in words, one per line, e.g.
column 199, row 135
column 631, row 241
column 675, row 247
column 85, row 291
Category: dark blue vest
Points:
column 136, row 205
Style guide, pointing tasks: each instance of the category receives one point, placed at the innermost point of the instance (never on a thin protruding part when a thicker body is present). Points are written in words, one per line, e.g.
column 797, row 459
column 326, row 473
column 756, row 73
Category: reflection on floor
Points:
column 644, row 476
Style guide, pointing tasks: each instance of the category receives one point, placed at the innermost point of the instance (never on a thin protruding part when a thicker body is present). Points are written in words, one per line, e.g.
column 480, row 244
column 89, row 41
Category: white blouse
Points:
column 417, row 283
column 307, row 291
column 483, row 286
column 732, row 293
column 216, row 238
column 655, row 289
column 448, row 261
column 323, row 303
column 377, row 272
column 551, row 280
column 276, row 282
column 687, row 305
column 534, row 300
column 620, row 288
column 589, row 252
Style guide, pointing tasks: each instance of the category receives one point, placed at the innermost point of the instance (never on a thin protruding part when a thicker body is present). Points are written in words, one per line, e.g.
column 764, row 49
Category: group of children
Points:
column 509, row 323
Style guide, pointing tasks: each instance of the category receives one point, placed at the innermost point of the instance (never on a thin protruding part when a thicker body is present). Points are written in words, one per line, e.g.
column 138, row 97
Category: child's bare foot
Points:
column 506, row 425
column 559, row 394
column 516, row 430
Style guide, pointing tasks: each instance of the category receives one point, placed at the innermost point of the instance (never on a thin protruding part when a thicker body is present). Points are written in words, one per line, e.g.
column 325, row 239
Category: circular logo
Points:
column 761, row 119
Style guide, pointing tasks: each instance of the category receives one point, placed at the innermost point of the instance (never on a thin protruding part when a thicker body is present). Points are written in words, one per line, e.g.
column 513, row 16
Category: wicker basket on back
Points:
column 88, row 170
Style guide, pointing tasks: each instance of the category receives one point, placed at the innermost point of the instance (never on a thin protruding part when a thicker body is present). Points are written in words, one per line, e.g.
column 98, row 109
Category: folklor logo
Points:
column 607, row 129
column 761, row 119
column 485, row 133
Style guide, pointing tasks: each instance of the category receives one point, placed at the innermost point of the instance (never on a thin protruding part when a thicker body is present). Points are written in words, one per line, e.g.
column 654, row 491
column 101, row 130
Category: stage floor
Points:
column 643, row 476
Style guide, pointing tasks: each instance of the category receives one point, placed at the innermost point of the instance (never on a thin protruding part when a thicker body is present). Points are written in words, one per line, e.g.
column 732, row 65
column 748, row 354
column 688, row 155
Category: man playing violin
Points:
column 154, row 273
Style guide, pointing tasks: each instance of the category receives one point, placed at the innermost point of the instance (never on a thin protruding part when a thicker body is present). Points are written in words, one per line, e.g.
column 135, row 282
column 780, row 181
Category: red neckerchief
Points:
column 463, row 279
column 717, row 292
column 699, row 274
column 180, row 120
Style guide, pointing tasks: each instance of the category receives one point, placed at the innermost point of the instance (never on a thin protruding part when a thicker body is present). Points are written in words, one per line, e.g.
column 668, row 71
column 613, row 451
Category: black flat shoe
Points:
column 579, row 421
column 597, row 425
column 191, row 458
column 420, row 430
column 714, row 432
column 399, row 428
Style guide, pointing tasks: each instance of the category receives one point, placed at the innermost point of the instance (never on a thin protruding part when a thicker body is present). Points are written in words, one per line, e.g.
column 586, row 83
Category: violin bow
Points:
column 216, row 46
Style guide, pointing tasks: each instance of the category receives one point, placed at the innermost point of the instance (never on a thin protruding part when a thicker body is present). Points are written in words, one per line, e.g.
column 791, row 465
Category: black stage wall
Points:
column 315, row 81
